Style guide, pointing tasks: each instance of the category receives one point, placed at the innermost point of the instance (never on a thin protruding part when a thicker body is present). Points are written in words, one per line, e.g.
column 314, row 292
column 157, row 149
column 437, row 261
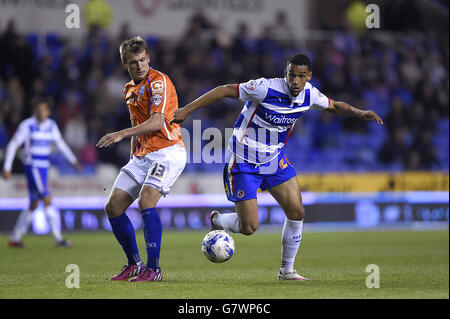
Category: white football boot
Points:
column 214, row 214
column 292, row 275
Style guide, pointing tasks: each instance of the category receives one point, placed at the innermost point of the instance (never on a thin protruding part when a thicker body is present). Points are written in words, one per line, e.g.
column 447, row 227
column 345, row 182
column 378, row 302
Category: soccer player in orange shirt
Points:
column 157, row 159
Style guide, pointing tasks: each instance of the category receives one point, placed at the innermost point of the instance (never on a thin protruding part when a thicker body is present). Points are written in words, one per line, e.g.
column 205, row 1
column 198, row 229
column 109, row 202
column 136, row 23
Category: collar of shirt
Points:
column 146, row 76
column 40, row 124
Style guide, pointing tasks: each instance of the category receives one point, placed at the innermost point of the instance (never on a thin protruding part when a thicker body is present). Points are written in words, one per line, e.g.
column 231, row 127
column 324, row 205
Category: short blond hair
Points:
column 133, row 45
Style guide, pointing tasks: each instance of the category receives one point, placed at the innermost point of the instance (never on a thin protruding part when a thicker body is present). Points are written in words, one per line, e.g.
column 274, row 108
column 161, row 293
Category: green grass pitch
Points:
column 411, row 264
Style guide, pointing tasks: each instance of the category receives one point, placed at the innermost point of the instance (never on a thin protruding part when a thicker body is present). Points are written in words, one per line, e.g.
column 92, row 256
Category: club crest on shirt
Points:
column 157, row 99
column 251, row 85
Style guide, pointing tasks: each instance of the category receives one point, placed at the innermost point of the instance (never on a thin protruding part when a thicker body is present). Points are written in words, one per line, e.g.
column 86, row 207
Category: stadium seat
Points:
column 33, row 40
column 152, row 41
column 53, row 41
column 443, row 126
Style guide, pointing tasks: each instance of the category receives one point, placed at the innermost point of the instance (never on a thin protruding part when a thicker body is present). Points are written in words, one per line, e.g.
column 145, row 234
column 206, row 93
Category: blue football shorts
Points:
column 37, row 182
column 243, row 179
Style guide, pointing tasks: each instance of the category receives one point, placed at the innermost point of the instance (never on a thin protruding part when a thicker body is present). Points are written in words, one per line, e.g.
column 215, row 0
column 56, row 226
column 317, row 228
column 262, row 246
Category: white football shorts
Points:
column 159, row 169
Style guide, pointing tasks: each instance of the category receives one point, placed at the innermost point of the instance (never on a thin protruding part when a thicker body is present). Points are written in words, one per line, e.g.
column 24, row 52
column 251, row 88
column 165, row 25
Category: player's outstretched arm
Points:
column 154, row 124
column 17, row 140
column 345, row 109
column 216, row 94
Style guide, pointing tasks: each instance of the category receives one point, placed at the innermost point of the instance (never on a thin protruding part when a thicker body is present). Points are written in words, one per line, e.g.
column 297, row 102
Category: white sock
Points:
column 230, row 222
column 53, row 220
column 291, row 237
column 22, row 224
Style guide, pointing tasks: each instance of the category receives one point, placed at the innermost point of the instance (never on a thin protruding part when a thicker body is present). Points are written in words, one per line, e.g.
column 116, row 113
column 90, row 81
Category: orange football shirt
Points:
column 154, row 94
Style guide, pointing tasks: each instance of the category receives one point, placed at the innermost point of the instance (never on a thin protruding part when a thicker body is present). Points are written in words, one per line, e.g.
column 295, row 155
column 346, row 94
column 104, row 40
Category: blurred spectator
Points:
column 23, row 61
column 435, row 100
column 396, row 149
column 423, row 155
column 199, row 23
column 114, row 84
column 241, row 43
column 75, row 133
column 15, row 94
column 7, row 40
column 418, row 121
column 436, row 72
column 89, row 155
column 69, row 74
column 397, row 117
column 283, row 31
column 326, row 132
column 4, row 138
column 410, row 70
column 68, row 108
column 124, row 33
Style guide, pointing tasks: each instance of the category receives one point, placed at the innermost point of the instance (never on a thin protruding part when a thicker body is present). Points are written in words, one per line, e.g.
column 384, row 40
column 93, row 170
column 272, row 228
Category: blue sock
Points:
column 125, row 235
column 152, row 234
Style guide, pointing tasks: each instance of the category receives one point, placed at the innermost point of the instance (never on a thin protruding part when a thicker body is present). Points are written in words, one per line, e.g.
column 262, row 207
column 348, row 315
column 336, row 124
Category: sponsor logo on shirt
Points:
column 158, row 86
column 279, row 120
column 133, row 99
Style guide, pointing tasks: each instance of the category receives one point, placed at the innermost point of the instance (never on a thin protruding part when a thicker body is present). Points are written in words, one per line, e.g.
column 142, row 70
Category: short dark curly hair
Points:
column 299, row 59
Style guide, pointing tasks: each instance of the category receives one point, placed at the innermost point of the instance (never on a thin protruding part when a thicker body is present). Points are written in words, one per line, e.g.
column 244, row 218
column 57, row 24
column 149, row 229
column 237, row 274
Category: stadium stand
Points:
column 404, row 77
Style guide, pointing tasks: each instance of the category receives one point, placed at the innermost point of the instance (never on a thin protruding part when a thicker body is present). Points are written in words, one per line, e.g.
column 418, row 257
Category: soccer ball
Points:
column 218, row 246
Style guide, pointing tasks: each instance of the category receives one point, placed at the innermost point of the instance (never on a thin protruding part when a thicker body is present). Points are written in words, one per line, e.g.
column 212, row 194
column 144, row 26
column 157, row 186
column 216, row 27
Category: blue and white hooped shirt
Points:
column 269, row 114
column 37, row 139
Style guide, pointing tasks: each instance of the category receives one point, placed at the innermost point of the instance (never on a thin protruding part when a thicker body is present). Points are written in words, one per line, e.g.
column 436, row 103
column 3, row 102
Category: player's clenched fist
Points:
column 109, row 139
column 180, row 115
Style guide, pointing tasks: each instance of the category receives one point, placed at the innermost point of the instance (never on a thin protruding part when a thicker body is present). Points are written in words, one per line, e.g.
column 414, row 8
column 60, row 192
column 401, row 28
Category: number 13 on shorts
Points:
column 158, row 170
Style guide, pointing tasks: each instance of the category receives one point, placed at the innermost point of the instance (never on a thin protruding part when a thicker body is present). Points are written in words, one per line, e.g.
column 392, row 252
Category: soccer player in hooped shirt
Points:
column 255, row 157
column 157, row 159
column 37, row 133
